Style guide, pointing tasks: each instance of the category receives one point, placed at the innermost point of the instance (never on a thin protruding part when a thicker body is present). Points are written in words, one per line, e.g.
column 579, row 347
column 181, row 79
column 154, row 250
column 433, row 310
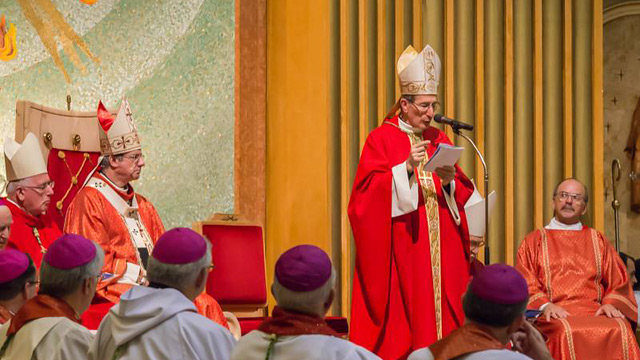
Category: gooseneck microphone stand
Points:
column 487, row 252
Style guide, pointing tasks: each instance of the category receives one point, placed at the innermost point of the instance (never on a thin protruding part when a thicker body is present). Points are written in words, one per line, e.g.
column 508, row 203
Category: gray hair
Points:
column 177, row 276
column 12, row 186
column 104, row 163
column 60, row 282
column 308, row 302
column 409, row 98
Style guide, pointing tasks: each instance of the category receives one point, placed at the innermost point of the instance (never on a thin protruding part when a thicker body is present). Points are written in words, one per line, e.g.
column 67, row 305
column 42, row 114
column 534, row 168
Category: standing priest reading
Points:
column 412, row 259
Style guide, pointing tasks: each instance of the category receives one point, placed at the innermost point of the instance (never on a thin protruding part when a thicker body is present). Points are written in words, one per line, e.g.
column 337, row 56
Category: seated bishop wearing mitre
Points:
column 29, row 191
column 126, row 224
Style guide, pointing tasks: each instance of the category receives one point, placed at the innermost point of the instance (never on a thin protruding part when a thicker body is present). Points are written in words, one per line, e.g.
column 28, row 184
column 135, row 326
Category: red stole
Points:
column 289, row 323
column 5, row 315
column 468, row 339
column 24, row 229
column 39, row 307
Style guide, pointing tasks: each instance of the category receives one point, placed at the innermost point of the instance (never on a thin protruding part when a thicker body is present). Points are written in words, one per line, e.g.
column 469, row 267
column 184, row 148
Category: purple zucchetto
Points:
column 180, row 246
column 500, row 284
column 13, row 263
column 70, row 251
column 303, row 268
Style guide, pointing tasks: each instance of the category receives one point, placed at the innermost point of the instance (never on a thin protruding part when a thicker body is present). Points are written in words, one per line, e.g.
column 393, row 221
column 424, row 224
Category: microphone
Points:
column 455, row 124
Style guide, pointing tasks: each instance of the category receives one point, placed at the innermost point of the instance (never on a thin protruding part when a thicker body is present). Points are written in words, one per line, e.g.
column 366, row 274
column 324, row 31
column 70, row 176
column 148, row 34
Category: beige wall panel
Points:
column 552, row 50
column 433, row 19
column 297, row 88
column 509, row 173
column 597, row 91
column 523, row 120
column 465, row 78
column 494, row 114
column 582, row 101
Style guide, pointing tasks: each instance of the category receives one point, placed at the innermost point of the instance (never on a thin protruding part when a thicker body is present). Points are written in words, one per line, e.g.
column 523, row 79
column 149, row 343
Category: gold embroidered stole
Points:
column 433, row 218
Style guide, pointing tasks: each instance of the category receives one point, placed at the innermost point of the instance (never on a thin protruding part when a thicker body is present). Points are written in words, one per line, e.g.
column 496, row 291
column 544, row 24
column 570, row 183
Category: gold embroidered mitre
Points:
column 419, row 73
column 23, row 160
column 119, row 135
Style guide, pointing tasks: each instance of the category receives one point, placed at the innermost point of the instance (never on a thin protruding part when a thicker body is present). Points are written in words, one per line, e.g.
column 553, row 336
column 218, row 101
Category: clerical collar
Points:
column 557, row 225
column 408, row 128
column 123, row 189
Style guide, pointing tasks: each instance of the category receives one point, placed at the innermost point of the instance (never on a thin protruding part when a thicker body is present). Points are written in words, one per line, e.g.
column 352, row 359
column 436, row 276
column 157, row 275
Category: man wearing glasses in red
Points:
column 578, row 281
column 409, row 224
column 29, row 191
column 124, row 223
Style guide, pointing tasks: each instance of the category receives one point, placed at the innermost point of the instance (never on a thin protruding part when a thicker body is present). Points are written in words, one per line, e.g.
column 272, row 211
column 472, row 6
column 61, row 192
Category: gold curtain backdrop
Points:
column 526, row 74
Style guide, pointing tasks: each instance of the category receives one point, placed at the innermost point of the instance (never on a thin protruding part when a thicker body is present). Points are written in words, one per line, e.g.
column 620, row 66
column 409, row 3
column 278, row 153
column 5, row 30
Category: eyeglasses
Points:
column 211, row 267
column 35, row 283
column 563, row 195
column 43, row 187
column 135, row 158
column 424, row 107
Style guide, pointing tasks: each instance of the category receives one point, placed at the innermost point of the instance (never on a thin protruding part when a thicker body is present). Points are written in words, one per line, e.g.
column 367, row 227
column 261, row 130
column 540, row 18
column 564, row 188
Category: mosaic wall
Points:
column 174, row 60
column 621, row 92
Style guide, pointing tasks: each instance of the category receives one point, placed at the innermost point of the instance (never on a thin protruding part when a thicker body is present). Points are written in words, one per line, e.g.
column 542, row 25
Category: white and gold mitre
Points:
column 23, row 160
column 119, row 135
column 419, row 73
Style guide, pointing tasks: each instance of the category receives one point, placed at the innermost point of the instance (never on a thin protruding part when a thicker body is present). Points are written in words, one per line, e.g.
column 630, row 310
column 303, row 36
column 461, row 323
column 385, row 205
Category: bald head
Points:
column 570, row 199
column 5, row 225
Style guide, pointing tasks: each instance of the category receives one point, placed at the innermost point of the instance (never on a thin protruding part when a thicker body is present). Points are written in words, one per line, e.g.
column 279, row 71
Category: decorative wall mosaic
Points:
column 173, row 59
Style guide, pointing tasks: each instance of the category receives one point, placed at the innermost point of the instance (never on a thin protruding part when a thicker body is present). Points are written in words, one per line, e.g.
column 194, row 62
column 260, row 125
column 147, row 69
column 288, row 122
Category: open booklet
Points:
column 445, row 155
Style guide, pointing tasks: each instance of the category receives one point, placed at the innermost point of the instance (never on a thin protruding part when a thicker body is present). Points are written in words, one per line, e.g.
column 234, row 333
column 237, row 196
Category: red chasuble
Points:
column 580, row 271
column 400, row 301
column 31, row 235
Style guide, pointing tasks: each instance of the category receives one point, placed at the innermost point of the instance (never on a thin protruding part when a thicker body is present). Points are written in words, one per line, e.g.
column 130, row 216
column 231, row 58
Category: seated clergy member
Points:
column 304, row 290
column 5, row 224
column 29, row 191
column 494, row 306
column 17, row 282
column 108, row 211
column 579, row 282
column 48, row 325
column 161, row 321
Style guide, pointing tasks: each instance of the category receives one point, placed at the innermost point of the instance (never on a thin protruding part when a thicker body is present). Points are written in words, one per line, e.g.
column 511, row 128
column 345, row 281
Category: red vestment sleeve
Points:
column 370, row 216
column 617, row 287
column 527, row 264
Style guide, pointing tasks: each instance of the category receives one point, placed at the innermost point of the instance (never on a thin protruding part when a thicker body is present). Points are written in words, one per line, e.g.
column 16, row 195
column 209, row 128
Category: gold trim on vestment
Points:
column 567, row 332
column 433, row 218
column 625, row 345
column 596, row 252
column 620, row 298
column 535, row 297
column 545, row 260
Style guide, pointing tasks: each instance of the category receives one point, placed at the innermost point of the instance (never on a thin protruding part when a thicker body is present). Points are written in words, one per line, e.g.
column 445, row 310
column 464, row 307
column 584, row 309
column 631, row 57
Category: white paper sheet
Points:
column 445, row 155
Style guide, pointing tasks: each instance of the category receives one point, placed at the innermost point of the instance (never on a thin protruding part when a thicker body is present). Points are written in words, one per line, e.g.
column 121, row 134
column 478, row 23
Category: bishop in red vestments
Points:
column 126, row 225
column 412, row 242
column 578, row 280
column 28, row 195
